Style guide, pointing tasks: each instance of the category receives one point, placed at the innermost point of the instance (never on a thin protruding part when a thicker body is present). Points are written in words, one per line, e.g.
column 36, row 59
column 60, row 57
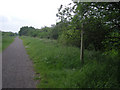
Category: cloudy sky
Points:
column 37, row 13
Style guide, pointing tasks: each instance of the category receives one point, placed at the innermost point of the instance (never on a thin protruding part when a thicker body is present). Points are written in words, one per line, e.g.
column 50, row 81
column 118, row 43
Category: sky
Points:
column 37, row 13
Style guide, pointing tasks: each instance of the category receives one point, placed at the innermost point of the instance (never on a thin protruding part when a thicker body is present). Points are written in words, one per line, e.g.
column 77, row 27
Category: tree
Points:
column 98, row 19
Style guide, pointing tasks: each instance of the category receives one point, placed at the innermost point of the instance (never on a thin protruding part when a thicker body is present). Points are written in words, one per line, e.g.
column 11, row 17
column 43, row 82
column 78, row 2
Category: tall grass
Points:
column 58, row 66
column 6, row 41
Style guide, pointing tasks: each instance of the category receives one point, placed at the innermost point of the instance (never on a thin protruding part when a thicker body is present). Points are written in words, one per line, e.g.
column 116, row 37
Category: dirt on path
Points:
column 17, row 70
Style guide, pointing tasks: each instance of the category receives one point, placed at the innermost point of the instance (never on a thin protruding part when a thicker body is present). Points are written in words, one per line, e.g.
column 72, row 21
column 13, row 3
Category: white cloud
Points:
column 35, row 13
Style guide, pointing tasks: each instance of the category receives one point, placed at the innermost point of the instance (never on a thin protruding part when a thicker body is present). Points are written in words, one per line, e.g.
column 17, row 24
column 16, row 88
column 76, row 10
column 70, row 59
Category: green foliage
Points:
column 28, row 31
column 112, row 41
column 7, row 39
column 54, row 62
column 70, row 37
column 8, row 34
column 31, row 31
column 100, row 21
column 59, row 66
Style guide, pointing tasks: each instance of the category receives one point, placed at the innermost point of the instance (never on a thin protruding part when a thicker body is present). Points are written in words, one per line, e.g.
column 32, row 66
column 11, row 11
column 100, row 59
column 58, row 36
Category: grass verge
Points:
column 6, row 41
column 59, row 66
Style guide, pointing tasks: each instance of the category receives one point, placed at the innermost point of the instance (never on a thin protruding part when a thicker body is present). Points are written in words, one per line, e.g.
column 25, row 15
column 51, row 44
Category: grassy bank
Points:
column 6, row 41
column 58, row 66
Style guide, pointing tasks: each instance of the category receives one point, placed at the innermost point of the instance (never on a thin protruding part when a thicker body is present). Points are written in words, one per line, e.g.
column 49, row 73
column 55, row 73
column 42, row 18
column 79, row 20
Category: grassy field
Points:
column 58, row 66
column 6, row 41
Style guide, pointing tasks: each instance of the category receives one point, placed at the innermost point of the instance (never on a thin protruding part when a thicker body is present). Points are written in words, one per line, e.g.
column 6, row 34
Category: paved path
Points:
column 17, row 70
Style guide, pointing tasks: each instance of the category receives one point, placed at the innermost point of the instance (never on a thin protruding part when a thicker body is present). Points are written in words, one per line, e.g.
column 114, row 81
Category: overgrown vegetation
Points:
column 58, row 66
column 7, row 39
column 100, row 24
column 56, row 55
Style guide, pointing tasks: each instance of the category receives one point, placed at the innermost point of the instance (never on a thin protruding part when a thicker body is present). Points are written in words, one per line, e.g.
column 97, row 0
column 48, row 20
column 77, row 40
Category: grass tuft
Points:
column 60, row 67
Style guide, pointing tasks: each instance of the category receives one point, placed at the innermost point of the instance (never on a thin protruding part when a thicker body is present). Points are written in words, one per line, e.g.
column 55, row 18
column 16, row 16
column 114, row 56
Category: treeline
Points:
column 31, row 31
column 9, row 34
column 99, row 22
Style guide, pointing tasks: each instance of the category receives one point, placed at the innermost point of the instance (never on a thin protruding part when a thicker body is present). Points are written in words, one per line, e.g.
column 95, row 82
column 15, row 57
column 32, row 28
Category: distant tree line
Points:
column 9, row 34
column 100, row 26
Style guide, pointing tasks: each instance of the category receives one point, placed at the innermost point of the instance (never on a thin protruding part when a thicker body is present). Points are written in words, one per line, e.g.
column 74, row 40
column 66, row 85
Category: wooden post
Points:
column 81, row 50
